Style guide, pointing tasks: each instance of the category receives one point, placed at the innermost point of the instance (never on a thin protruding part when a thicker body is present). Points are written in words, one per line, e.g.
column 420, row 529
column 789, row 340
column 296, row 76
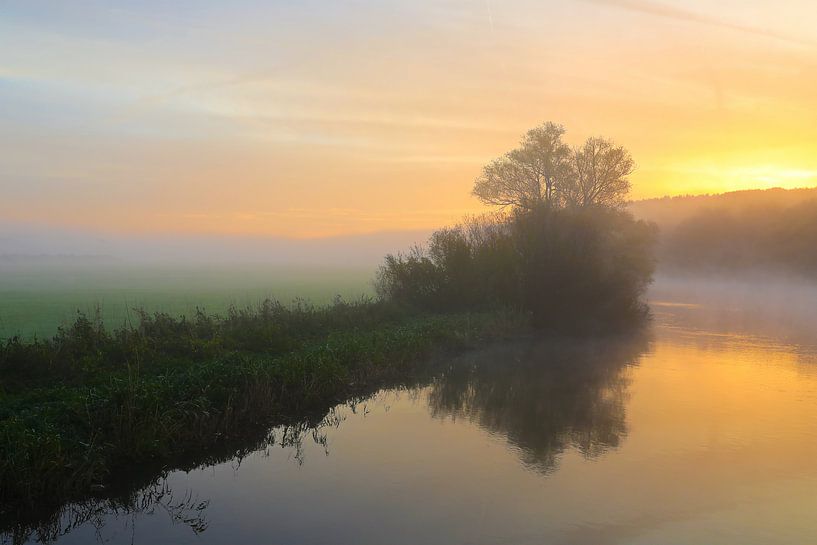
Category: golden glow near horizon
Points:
column 331, row 118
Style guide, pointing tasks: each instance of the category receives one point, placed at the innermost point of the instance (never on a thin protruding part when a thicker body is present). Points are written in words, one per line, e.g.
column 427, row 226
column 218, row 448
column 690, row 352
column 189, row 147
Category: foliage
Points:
column 599, row 175
column 530, row 175
column 544, row 171
column 170, row 387
column 84, row 352
column 572, row 268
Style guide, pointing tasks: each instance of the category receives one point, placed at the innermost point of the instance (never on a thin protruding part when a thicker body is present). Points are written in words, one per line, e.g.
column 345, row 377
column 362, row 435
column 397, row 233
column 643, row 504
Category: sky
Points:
column 311, row 119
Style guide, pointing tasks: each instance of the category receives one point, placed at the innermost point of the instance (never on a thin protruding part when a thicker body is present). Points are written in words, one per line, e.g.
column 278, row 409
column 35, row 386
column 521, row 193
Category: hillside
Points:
column 668, row 212
column 743, row 231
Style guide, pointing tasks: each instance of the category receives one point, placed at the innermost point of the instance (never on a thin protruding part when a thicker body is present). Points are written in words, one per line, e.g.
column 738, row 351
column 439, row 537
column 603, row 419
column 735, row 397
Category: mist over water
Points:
column 776, row 306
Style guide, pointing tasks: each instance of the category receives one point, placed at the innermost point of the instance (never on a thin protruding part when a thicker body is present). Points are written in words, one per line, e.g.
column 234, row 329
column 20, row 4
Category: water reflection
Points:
column 544, row 397
column 132, row 499
column 738, row 311
column 184, row 508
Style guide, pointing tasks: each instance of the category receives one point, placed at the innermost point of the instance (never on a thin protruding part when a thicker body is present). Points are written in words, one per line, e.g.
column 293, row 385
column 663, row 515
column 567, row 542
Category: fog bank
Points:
column 37, row 245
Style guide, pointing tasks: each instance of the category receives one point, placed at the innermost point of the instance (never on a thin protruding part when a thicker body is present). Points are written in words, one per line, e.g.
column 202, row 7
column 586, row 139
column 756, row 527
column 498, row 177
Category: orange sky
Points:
column 346, row 117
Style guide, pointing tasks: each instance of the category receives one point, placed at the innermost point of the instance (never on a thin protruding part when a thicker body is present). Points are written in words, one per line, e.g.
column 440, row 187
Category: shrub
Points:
column 568, row 267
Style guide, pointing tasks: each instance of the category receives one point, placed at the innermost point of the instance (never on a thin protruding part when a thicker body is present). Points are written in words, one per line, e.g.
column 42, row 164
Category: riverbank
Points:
column 80, row 409
column 695, row 417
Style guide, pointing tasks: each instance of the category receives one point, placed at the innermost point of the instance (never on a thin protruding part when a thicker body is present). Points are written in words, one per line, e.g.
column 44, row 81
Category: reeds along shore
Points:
column 89, row 403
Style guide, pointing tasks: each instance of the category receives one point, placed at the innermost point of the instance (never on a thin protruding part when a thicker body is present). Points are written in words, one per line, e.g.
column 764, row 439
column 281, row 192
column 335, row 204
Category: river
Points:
column 702, row 429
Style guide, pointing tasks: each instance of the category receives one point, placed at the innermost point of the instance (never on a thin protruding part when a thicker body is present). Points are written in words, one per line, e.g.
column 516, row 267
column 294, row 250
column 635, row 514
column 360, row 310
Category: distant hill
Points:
column 668, row 212
column 742, row 231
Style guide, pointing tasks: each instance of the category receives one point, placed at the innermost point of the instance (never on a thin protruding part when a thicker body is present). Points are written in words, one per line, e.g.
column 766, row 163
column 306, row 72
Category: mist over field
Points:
column 47, row 275
column 735, row 224
column 763, row 237
column 26, row 244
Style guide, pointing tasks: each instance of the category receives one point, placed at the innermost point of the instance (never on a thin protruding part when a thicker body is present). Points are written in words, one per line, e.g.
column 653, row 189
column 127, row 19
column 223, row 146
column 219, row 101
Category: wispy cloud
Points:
column 659, row 9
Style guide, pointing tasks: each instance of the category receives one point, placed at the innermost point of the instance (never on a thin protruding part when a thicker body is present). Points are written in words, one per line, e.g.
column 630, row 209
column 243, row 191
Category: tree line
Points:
column 754, row 237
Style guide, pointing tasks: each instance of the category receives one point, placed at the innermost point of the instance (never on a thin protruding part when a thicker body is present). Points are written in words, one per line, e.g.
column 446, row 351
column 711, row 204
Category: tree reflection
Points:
column 543, row 396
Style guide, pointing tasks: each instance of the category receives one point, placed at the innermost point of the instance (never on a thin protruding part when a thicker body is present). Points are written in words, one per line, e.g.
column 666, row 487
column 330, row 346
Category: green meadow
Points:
column 36, row 300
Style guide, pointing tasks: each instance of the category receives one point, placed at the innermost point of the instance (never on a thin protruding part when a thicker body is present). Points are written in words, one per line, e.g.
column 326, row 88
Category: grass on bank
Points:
column 80, row 408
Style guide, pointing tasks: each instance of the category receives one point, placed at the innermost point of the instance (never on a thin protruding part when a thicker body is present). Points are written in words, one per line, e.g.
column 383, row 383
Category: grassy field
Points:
column 36, row 300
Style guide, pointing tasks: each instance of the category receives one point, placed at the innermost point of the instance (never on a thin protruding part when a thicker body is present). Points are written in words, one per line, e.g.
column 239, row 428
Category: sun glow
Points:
column 722, row 178
column 389, row 112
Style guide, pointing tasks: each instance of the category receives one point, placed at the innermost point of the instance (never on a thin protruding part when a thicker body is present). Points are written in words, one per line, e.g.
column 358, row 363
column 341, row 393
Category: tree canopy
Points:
column 545, row 171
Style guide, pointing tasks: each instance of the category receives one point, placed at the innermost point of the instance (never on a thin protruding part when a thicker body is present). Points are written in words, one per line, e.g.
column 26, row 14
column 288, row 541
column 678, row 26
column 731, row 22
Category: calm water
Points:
column 702, row 431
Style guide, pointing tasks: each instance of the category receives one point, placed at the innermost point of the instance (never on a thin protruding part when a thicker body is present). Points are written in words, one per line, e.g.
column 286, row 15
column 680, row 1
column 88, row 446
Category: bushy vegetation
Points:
column 95, row 403
column 86, row 351
column 577, row 269
column 561, row 249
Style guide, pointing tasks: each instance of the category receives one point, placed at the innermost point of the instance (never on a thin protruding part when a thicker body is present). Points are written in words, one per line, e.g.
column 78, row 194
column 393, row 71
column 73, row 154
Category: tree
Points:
column 544, row 171
column 530, row 175
column 600, row 175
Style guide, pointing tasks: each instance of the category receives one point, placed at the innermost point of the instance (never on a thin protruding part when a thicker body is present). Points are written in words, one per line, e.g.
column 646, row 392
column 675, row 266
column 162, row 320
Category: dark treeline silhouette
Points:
column 562, row 248
column 772, row 230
